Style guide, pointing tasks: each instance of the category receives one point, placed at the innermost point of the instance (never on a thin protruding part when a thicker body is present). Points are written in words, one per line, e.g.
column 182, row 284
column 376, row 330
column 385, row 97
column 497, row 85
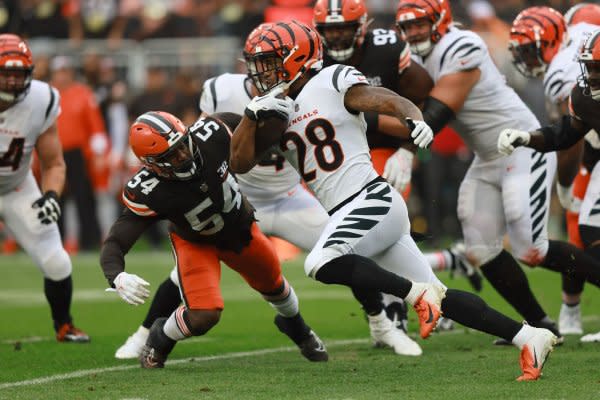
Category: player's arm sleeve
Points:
column 122, row 236
column 344, row 77
column 465, row 53
column 52, row 109
column 561, row 135
column 208, row 98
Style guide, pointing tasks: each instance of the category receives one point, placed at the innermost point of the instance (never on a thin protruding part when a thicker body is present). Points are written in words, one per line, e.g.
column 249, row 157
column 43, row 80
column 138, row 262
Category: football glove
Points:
column 565, row 196
column 398, row 169
column 269, row 105
column 133, row 289
column 48, row 209
column 511, row 138
column 420, row 132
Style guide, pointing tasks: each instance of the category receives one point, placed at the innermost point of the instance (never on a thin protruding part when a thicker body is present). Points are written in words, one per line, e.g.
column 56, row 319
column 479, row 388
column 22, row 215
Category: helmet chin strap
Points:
column 341, row 55
column 595, row 94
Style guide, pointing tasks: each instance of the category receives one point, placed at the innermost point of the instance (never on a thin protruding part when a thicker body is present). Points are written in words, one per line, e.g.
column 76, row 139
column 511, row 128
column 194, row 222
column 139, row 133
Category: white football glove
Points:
column 511, row 138
column 269, row 105
column 48, row 209
column 565, row 196
column 420, row 132
column 398, row 169
column 133, row 289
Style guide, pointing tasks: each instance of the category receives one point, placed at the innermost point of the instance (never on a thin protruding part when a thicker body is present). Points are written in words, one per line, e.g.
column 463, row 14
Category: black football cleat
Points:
column 313, row 349
column 158, row 346
column 311, row 346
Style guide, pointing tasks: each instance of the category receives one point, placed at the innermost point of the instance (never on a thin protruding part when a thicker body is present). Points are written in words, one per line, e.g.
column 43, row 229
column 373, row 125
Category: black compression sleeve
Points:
column 437, row 114
column 561, row 135
column 123, row 234
column 372, row 120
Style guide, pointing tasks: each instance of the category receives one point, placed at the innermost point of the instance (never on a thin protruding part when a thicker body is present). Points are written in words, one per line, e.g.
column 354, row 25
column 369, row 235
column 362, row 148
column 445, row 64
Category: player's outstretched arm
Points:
column 559, row 136
column 384, row 101
column 122, row 236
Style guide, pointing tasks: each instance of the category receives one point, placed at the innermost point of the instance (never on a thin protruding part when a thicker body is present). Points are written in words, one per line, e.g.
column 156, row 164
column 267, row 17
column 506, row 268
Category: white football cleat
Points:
column 385, row 334
column 569, row 320
column 539, row 343
column 591, row 337
column 133, row 345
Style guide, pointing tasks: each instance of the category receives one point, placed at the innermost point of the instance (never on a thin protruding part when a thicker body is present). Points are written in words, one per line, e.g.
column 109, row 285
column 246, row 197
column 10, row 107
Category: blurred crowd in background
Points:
column 112, row 60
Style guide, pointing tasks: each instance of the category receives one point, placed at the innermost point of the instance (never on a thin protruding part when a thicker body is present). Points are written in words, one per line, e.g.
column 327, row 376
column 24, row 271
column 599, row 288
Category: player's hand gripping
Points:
column 269, row 105
column 511, row 138
column 133, row 289
column 398, row 169
column 420, row 132
column 48, row 209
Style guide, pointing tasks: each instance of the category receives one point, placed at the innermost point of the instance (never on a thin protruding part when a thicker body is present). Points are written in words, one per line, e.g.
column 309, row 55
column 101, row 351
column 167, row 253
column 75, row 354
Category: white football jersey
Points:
column 564, row 69
column 20, row 126
column 269, row 179
column 325, row 142
column 491, row 105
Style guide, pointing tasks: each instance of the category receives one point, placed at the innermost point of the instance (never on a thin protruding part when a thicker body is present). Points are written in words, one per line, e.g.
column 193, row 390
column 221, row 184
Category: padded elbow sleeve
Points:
column 437, row 114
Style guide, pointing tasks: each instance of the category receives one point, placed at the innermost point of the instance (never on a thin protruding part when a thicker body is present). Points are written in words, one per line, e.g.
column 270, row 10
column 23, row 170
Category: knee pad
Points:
column 57, row 266
column 174, row 276
column 321, row 256
column 201, row 321
column 590, row 235
column 533, row 254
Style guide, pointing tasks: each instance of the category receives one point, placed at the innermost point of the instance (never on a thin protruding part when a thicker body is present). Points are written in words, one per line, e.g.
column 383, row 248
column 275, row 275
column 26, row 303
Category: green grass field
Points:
column 245, row 357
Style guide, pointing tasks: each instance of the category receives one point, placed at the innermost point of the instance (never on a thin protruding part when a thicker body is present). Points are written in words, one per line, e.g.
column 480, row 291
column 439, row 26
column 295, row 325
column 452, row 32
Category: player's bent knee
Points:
column 532, row 255
column 201, row 321
column 57, row 266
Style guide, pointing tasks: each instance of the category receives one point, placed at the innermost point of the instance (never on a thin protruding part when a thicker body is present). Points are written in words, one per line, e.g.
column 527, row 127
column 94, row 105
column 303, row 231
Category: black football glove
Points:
column 48, row 207
column 270, row 105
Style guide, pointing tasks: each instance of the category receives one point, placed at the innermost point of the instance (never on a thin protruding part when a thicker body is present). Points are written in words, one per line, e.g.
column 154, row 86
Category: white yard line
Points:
column 86, row 372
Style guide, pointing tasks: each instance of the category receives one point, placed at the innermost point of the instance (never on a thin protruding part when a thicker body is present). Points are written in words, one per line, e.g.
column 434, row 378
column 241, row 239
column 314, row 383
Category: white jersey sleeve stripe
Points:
column 336, row 74
column 443, row 58
column 50, row 103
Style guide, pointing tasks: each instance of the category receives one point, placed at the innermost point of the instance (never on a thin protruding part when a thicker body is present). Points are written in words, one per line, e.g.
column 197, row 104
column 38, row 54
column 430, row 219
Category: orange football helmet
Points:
column 435, row 12
column 589, row 59
column 280, row 53
column 583, row 12
column 162, row 143
column 536, row 35
column 16, row 68
column 342, row 25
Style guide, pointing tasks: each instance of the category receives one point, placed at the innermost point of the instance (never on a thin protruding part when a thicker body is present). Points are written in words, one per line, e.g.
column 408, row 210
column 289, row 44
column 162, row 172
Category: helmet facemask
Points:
column 420, row 44
column 266, row 70
column 527, row 59
column 591, row 78
column 14, row 83
column 341, row 38
column 177, row 163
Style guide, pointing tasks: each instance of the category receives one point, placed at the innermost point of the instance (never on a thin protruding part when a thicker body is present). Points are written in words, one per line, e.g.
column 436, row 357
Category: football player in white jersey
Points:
column 28, row 111
column 368, row 227
column 284, row 208
column 542, row 45
column 498, row 194
column 583, row 121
